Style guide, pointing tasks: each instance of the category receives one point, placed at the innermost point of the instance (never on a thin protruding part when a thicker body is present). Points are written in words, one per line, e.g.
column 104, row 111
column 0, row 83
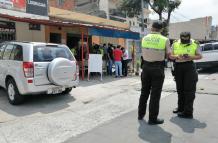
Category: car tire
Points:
column 67, row 90
column 14, row 97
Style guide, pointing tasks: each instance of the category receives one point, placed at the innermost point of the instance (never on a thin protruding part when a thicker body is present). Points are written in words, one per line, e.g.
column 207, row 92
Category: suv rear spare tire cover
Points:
column 61, row 71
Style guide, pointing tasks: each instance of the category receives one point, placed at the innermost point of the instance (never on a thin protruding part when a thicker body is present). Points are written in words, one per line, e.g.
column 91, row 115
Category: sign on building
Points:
column 37, row 7
column 18, row 5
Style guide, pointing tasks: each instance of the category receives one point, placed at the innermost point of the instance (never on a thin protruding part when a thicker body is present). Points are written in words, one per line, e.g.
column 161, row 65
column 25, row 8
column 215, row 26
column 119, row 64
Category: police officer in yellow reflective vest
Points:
column 154, row 50
column 184, row 51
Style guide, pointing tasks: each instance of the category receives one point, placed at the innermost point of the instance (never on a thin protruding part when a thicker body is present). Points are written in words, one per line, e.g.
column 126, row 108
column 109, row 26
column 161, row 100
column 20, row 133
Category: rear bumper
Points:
column 30, row 88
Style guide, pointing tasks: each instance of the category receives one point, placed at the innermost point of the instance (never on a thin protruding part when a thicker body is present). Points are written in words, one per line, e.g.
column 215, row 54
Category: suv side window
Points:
column 7, row 52
column 215, row 46
column 2, row 48
column 17, row 53
column 208, row 47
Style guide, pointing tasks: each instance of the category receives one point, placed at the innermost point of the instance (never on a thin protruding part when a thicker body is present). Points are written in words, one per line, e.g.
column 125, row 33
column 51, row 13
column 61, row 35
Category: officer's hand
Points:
column 180, row 57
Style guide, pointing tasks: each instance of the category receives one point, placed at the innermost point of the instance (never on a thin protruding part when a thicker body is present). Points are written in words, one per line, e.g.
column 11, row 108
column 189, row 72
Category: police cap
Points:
column 185, row 34
column 157, row 25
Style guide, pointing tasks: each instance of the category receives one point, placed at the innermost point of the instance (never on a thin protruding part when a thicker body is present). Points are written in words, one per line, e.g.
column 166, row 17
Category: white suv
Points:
column 36, row 68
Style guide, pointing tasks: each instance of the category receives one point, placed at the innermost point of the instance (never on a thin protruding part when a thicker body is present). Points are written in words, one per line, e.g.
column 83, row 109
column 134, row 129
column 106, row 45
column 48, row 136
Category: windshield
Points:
column 46, row 53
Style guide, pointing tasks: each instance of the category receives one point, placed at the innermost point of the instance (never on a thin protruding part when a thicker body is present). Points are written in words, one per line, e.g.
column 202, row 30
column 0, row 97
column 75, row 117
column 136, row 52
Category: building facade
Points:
column 200, row 28
column 22, row 31
column 63, row 4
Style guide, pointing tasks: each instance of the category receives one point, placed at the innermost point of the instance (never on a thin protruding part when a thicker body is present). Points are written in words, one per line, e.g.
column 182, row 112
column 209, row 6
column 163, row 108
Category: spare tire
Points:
column 61, row 71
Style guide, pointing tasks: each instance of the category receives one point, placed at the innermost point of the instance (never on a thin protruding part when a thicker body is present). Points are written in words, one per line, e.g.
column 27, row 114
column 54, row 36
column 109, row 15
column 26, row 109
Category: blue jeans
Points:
column 110, row 63
column 118, row 67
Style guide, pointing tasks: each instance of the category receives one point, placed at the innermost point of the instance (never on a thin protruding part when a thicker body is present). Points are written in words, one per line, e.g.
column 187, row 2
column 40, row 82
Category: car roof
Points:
column 33, row 43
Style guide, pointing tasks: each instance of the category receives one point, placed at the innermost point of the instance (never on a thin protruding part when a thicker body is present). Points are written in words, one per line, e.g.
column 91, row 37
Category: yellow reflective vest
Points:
column 181, row 49
column 154, row 41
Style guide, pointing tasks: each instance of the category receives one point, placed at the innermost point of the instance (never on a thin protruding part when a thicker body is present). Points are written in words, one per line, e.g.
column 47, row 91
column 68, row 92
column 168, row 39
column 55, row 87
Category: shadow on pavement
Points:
column 188, row 125
column 43, row 104
column 153, row 134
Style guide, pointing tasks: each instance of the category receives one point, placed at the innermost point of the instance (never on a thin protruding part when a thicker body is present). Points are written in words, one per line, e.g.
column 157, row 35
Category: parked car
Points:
column 36, row 68
column 210, row 56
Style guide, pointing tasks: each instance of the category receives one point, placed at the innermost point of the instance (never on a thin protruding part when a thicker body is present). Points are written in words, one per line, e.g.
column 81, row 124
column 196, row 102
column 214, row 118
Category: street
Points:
column 107, row 112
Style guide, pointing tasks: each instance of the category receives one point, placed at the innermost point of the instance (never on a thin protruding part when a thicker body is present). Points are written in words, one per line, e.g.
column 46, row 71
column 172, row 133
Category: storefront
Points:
column 7, row 31
column 13, row 28
column 64, row 29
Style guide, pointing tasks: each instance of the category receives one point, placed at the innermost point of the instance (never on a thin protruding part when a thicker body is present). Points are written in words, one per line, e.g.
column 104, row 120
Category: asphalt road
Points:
column 55, row 119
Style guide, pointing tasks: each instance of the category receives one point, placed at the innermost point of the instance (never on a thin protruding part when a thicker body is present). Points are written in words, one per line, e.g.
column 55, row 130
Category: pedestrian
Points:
column 110, row 58
column 154, row 50
column 117, row 61
column 184, row 51
column 124, row 62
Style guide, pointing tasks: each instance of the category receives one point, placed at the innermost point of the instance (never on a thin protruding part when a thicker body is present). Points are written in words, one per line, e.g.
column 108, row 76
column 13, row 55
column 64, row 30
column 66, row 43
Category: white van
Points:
column 36, row 68
column 210, row 56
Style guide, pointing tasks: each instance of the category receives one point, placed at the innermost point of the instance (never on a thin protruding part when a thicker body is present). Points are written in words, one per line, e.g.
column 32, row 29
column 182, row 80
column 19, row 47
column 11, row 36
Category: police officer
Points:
column 154, row 50
column 184, row 51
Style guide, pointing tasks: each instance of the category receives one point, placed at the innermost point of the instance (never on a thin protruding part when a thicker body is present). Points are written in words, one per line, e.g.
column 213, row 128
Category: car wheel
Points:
column 14, row 96
column 67, row 90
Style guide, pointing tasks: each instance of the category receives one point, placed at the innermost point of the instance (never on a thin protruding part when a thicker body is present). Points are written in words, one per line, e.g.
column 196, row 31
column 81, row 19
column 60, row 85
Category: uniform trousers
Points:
column 152, row 79
column 186, row 79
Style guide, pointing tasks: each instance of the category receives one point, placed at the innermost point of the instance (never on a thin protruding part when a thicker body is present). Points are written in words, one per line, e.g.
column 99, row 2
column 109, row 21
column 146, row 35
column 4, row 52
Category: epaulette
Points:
column 175, row 41
column 196, row 42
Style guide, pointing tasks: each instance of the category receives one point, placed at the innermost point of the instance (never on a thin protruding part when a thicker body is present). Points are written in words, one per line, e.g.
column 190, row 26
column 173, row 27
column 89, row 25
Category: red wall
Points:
column 68, row 4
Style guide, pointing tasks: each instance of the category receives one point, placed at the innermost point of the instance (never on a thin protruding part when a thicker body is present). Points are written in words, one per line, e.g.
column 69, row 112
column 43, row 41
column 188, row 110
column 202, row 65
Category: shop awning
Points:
column 114, row 33
column 84, row 18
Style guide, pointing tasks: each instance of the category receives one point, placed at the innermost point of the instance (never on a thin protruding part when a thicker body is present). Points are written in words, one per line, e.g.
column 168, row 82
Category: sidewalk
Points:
column 127, row 129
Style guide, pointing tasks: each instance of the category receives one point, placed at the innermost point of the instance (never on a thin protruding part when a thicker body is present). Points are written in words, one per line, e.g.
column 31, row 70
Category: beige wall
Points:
column 24, row 34
column 200, row 28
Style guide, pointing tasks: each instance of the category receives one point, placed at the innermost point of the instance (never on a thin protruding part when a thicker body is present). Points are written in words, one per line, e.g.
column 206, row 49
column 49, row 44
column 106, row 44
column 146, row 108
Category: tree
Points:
column 133, row 7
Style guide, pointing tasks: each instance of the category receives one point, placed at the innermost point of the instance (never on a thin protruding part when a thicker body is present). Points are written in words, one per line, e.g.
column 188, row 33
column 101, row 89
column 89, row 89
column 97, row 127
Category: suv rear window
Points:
column 47, row 53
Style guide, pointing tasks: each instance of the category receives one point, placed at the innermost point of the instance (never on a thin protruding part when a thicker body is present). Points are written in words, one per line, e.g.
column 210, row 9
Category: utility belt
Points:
column 184, row 63
column 156, row 63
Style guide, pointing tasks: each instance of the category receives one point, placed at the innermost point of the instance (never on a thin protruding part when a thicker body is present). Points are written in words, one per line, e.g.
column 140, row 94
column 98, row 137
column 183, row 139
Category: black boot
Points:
column 176, row 110
column 155, row 121
column 184, row 115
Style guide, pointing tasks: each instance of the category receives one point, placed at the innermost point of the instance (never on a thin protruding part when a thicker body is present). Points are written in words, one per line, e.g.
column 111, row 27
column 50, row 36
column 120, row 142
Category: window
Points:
column 215, row 46
column 2, row 48
column 7, row 52
column 17, row 53
column 60, row 2
column 34, row 26
column 48, row 53
column 208, row 47
column 55, row 38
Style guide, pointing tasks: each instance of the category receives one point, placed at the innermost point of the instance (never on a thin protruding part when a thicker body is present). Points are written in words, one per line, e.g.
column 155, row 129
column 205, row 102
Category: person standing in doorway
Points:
column 184, row 52
column 117, row 61
column 154, row 50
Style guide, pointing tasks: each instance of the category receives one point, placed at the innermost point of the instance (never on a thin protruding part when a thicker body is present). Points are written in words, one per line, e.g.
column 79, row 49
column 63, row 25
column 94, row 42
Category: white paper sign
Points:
column 95, row 64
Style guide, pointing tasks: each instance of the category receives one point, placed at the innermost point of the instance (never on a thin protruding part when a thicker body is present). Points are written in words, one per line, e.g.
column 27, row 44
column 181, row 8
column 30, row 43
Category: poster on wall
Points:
column 38, row 7
column 19, row 5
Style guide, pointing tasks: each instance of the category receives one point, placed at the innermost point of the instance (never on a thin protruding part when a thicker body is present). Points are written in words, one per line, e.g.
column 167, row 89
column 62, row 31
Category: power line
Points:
column 176, row 17
column 182, row 15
